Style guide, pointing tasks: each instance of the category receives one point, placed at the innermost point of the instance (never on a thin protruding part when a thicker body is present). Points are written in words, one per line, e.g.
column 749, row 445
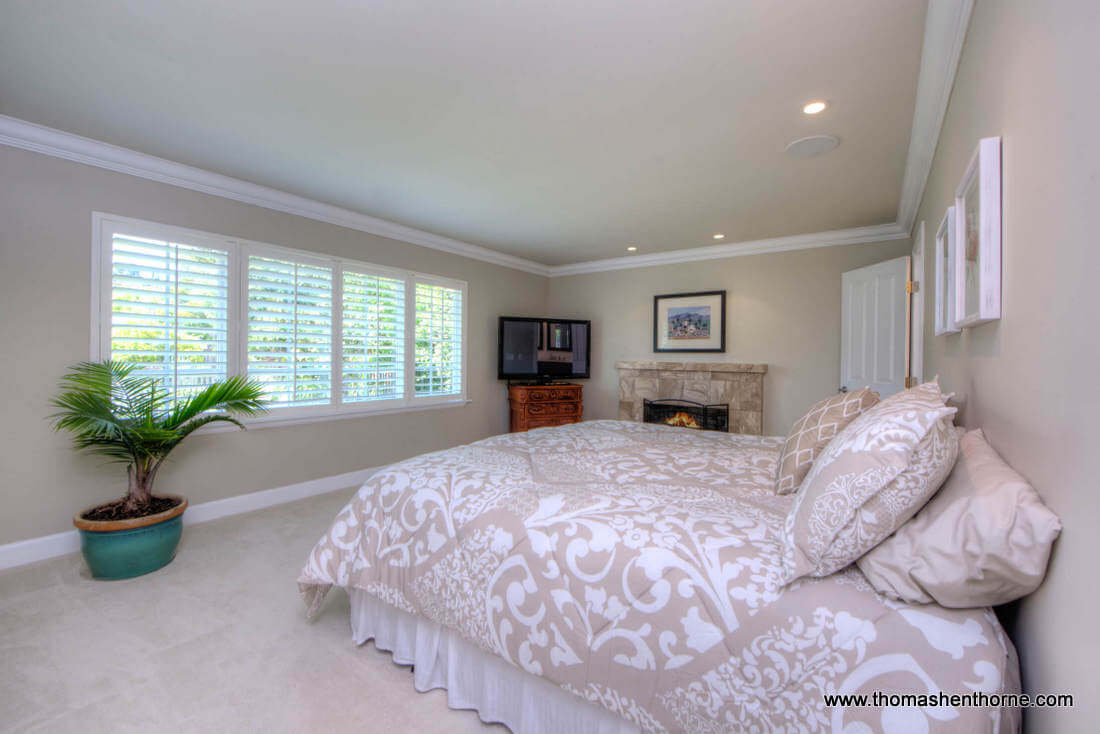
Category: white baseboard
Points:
column 60, row 544
column 207, row 511
column 38, row 549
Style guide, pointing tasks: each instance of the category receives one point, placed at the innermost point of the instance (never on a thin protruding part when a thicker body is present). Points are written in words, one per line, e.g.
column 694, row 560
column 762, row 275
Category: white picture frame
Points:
column 945, row 275
column 978, row 238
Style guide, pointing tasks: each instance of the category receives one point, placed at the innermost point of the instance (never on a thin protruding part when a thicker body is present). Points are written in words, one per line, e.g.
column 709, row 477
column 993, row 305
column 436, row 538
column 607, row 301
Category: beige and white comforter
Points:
column 637, row 566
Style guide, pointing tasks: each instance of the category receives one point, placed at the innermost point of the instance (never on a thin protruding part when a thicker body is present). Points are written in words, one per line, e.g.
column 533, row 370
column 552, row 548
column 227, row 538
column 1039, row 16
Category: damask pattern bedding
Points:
column 638, row 566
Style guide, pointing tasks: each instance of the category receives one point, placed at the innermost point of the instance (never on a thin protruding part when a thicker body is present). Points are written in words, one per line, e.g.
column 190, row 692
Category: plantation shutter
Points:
column 373, row 337
column 169, row 311
column 324, row 336
column 438, row 331
column 290, row 330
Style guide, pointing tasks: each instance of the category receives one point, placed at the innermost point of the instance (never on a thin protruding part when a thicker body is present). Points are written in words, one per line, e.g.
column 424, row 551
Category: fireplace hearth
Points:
column 688, row 414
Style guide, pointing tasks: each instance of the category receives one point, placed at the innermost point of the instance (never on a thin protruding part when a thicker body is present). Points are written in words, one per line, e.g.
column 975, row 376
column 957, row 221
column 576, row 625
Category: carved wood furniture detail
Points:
column 536, row 406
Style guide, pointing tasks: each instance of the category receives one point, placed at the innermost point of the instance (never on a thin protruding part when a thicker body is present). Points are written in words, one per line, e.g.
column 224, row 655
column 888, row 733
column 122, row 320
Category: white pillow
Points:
column 983, row 540
column 869, row 481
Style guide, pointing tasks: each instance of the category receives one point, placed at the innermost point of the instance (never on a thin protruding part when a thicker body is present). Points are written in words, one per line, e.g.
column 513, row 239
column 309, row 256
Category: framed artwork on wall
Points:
column 690, row 322
column 978, row 230
column 945, row 275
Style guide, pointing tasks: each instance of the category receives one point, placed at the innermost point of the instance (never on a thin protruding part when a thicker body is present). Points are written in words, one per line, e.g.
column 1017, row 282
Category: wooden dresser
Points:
column 535, row 406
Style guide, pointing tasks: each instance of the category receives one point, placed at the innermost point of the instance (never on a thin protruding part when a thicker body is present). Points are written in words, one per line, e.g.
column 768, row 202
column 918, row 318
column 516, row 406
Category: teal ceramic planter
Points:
column 127, row 548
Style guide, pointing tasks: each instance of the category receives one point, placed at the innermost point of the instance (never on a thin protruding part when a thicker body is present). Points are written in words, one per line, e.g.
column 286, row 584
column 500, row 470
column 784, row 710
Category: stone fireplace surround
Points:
column 739, row 385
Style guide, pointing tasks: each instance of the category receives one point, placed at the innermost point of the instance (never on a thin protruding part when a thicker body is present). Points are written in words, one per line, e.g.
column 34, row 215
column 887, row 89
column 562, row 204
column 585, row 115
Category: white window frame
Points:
column 104, row 227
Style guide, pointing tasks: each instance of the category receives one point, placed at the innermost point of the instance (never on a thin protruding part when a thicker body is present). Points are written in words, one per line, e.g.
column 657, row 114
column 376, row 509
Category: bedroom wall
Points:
column 782, row 309
column 1027, row 73
column 45, row 289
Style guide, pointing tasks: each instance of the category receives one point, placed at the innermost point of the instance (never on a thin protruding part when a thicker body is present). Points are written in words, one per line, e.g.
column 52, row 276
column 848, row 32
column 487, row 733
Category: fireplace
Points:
column 737, row 387
column 688, row 414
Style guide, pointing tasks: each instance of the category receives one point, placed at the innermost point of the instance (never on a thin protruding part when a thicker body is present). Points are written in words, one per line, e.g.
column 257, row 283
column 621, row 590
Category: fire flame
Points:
column 683, row 419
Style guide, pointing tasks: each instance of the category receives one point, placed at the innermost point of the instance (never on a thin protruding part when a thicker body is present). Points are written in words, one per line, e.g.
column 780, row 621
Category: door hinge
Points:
column 910, row 382
column 912, row 286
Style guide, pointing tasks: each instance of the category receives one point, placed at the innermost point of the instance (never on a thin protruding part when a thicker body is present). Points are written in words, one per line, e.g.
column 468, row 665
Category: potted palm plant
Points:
column 114, row 411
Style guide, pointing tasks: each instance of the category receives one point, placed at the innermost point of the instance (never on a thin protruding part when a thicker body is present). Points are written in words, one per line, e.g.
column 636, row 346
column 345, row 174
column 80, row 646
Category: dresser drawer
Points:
column 536, row 410
column 538, row 406
column 548, row 394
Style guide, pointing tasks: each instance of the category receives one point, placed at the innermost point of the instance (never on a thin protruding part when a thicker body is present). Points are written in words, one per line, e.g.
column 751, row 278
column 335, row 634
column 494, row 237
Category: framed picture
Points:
column 945, row 275
column 559, row 337
column 690, row 322
column 978, row 229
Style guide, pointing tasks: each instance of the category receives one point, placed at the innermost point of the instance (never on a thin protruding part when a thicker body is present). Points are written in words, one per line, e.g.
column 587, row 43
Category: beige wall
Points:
column 782, row 309
column 46, row 209
column 1028, row 73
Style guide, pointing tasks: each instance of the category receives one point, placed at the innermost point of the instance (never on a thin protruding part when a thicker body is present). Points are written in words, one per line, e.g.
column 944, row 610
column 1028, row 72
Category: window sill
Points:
column 276, row 418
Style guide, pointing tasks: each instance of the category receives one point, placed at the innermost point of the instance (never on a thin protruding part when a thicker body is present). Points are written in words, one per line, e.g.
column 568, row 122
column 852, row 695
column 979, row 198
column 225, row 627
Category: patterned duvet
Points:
column 637, row 566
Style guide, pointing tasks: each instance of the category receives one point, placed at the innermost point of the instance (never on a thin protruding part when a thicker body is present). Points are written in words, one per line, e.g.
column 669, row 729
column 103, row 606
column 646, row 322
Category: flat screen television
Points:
column 543, row 349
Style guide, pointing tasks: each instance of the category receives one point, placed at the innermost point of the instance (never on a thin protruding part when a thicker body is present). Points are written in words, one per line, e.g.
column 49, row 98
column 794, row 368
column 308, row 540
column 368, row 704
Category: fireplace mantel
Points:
column 693, row 366
column 739, row 385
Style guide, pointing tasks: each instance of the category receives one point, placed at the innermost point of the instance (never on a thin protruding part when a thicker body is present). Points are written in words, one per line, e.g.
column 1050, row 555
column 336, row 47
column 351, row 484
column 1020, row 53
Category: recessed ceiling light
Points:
column 631, row 248
column 814, row 107
column 719, row 236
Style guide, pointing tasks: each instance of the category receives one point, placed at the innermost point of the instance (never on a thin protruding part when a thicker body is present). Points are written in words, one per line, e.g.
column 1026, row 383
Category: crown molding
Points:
column 68, row 146
column 853, row 236
column 59, row 144
column 945, row 28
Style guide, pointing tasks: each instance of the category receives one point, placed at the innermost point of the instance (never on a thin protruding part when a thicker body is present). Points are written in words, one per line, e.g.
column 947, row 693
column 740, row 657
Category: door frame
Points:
column 914, row 311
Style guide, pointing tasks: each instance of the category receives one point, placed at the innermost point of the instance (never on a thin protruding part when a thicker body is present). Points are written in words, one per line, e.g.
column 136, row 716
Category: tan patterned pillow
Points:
column 811, row 433
column 870, row 480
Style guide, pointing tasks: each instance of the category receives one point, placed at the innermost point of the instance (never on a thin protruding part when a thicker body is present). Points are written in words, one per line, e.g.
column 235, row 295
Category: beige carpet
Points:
column 217, row 641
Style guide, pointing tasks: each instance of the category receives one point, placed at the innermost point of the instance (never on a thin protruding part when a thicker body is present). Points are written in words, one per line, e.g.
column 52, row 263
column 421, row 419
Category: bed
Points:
column 613, row 576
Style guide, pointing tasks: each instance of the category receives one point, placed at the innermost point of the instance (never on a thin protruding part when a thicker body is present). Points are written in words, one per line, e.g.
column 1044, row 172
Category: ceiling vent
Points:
column 812, row 146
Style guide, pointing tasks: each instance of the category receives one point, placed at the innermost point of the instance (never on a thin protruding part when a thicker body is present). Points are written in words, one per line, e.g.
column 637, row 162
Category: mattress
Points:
column 637, row 566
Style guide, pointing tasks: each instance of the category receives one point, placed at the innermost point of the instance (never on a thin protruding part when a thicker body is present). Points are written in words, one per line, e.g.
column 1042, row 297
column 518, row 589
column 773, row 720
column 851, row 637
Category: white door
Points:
column 873, row 327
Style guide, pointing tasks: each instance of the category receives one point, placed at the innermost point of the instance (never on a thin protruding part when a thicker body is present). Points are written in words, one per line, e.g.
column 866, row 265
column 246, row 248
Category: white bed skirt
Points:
column 476, row 679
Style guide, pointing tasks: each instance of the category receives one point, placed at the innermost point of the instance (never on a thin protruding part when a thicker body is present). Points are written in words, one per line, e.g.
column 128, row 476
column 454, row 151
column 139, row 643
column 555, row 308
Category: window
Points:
column 373, row 348
column 326, row 336
column 168, row 304
column 438, row 340
column 290, row 330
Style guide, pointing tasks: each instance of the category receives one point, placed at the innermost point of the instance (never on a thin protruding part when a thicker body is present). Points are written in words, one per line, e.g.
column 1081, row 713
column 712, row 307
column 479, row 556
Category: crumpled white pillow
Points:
column 983, row 540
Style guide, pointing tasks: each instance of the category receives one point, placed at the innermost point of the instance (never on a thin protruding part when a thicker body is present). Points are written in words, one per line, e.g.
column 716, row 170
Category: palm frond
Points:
column 96, row 376
column 87, row 409
column 86, row 413
column 151, row 440
column 142, row 398
column 115, row 411
column 235, row 395
column 196, row 423
column 118, row 451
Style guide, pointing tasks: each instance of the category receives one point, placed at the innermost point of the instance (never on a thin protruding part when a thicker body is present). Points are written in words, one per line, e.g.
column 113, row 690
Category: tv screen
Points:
column 543, row 348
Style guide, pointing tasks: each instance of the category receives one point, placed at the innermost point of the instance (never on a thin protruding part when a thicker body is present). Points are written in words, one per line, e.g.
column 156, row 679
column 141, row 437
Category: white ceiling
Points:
column 557, row 131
